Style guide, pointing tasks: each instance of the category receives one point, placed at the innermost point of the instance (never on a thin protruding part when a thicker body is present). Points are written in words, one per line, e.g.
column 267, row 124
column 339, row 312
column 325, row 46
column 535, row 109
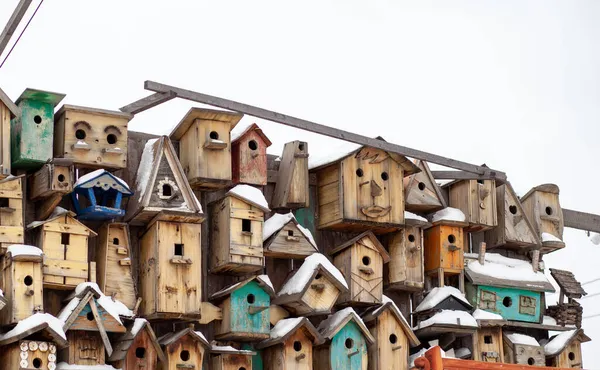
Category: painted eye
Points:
column 384, row 176
column 359, row 172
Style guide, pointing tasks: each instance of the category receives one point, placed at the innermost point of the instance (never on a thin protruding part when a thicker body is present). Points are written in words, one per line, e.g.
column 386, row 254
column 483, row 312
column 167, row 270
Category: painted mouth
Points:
column 375, row 211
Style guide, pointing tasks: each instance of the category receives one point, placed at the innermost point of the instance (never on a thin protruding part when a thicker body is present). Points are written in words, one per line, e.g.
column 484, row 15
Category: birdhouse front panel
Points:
column 477, row 200
column 51, row 179
column 22, row 287
column 5, row 162
column 390, row 350
column 422, row 193
column 91, row 137
column 142, row 354
column 444, row 248
column 289, row 242
column 348, row 349
column 185, row 353
column 523, row 354
column 29, row 354
column 86, row 319
column 319, row 298
column 568, row 358
column 291, row 189
column 85, row 348
column 405, row 269
column 511, row 303
column 231, row 361
column 11, row 213
column 249, row 159
column 297, row 352
column 542, row 206
column 247, row 317
column 489, row 346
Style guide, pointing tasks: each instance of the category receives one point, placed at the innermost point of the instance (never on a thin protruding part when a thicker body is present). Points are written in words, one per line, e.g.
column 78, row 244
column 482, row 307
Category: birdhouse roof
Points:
column 559, row 342
column 42, row 96
column 171, row 338
column 103, row 179
column 522, row 339
column 39, row 322
column 287, row 327
column 263, row 281
column 356, row 240
column 205, row 114
column 21, row 252
column 412, row 182
column 12, row 107
column 329, row 327
column 486, row 318
column 229, row 350
column 449, row 319
column 96, row 111
column 567, row 283
column 545, row 188
column 251, row 195
column 314, row 264
column 412, row 219
column 389, row 305
column 438, row 295
column 68, row 217
column 124, row 343
column 241, row 130
column 449, row 216
column 277, row 221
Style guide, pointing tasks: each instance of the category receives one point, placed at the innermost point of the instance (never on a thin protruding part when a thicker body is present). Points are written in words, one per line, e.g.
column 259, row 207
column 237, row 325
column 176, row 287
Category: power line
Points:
column 22, row 32
column 590, row 295
column 591, row 281
column 591, row 316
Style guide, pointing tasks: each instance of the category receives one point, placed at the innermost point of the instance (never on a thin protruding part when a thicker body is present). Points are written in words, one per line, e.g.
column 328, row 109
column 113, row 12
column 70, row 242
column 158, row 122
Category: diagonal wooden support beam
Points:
column 319, row 129
column 464, row 175
column 148, row 102
column 12, row 23
column 581, row 220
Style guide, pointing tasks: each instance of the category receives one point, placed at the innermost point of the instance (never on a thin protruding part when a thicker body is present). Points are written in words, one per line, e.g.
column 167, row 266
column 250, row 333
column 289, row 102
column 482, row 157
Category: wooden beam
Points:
column 318, row 128
column 148, row 102
column 101, row 328
column 12, row 23
column 581, row 220
column 464, row 175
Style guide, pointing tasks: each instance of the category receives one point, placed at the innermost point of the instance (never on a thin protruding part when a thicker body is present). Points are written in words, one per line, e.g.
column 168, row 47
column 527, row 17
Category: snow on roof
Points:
column 277, row 221
column 462, row 352
column 265, row 279
column 331, row 325
column 114, row 307
column 201, row 335
column 34, row 320
column 523, row 339
column 250, row 194
column 24, row 250
column 230, row 349
column 558, row 343
column 437, row 295
column 83, row 180
column 385, row 299
column 331, row 153
column 480, row 314
column 448, row 214
column 284, row 326
column 549, row 320
column 413, row 357
column 138, row 324
column 500, row 267
column 65, row 366
column 449, row 317
column 547, row 237
column 412, row 216
column 58, row 211
column 595, row 238
column 146, row 166
column 302, row 277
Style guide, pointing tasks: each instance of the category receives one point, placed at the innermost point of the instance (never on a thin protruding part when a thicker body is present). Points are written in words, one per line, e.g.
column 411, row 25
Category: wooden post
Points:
column 535, row 260
column 482, row 248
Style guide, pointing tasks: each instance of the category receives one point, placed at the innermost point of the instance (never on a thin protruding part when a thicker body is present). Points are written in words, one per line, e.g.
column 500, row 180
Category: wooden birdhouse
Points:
column 162, row 188
column 170, row 272
column 113, row 263
column 98, row 196
column 477, row 200
column 570, row 312
column 361, row 188
column 290, row 345
column 11, row 212
column 34, row 344
column 523, row 350
column 8, row 111
column 291, row 189
column 405, row 270
column 564, row 350
column 441, row 298
column 542, row 207
column 91, row 137
column 245, row 307
column 237, row 231
column 313, row 289
column 514, row 229
column 184, row 349
column 32, row 132
column 229, row 358
column 138, row 348
column 205, row 146
column 22, row 283
column 361, row 260
column 346, row 339
column 488, row 345
column 249, row 155
column 393, row 337
column 64, row 241
column 284, row 237
column 422, row 193
column 52, row 178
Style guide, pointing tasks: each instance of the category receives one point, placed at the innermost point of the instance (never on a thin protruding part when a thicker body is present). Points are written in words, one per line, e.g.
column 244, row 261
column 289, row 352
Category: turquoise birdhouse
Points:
column 98, row 196
column 32, row 133
column 245, row 308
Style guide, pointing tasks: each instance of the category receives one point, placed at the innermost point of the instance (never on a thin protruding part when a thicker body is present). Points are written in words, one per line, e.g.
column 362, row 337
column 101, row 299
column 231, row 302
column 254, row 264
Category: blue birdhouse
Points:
column 98, row 196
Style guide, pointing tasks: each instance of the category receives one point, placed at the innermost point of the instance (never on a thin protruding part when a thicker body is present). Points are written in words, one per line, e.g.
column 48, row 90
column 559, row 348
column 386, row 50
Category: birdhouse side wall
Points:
column 422, row 196
column 390, row 350
column 184, row 353
column 329, row 195
column 511, row 303
column 570, row 357
column 246, row 244
column 477, row 200
column 51, row 179
column 349, row 340
column 274, row 358
column 320, row 296
column 292, row 187
column 85, row 348
column 25, row 352
column 243, row 300
column 11, row 223
column 148, row 271
column 32, row 142
column 488, row 342
column 406, row 259
column 249, row 160
column 23, row 289
column 545, row 213
column 4, row 140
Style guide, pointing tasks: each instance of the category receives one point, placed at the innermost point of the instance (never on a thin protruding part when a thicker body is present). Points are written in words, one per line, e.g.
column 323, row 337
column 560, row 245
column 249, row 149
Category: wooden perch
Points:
column 256, row 309
column 366, row 270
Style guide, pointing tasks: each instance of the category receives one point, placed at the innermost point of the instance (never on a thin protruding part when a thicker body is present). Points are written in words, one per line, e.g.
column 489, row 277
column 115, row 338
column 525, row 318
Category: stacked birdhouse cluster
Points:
column 123, row 250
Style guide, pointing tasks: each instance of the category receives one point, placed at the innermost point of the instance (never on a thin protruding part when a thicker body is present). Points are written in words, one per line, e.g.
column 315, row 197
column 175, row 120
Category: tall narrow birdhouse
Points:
column 64, row 241
column 113, row 263
column 290, row 346
column 205, row 146
column 361, row 260
column 98, row 196
column 514, row 229
column 393, row 337
column 523, row 350
column 162, row 188
column 229, row 358
column 284, row 237
column 542, row 207
column 22, row 283
column 361, row 188
column 405, row 270
column 32, row 132
column 11, row 212
column 489, row 345
column 477, row 200
column 138, row 348
column 245, row 308
column 52, row 178
column 249, row 155
column 184, row 349
column 291, row 189
column 346, row 339
column 564, row 350
column 170, row 272
column 237, row 231
column 91, row 137
column 422, row 193
column 313, row 289
column 8, row 111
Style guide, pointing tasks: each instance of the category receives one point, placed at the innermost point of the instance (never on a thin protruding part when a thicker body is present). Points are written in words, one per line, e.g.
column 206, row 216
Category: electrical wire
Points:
column 591, row 316
column 22, row 32
column 591, row 281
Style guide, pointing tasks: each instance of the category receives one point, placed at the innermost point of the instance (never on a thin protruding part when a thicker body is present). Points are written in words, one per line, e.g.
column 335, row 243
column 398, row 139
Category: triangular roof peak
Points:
column 103, row 179
column 171, row 338
column 329, row 327
column 287, row 327
column 12, row 107
column 239, row 132
column 277, row 222
column 205, row 114
column 390, row 305
column 123, row 344
column 440, row 294
column 39, row 322
column 367, row 234
column 67, row 216
column 422, row 193
column 559, row 342
column 263, row 281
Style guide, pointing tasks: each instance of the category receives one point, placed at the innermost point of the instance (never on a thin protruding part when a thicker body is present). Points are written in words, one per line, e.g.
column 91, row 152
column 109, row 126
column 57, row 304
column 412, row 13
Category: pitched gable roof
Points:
column 239, row 132
column 329, row 327
column 12, row 107
column 567, row 283
column 124, row 343
column 367, row 234
column 171, row 338
column 204, row 114
column 546, row 188
column 278, row 221
column 513, row 200
column 67, row 217
column 421, row 191
column 559, row 342
column 103, row 179
column 41, row 95
column 45, row 323
column 389, row 305
column 263, row 281
column 287, row 327
column 440, row 294
column 251, row 195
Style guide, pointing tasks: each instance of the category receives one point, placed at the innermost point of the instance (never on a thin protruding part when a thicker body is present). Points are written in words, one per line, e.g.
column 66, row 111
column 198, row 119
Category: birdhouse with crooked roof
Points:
column 138, row 348
column 284, row 237
column 98, row 196
column 184, row 349
column 542, row 207
column 291, row 188
column 8, row 111
column 564, row 350
column 249, row 155
column 477, row 201
column 11, row 212
column 422, row 193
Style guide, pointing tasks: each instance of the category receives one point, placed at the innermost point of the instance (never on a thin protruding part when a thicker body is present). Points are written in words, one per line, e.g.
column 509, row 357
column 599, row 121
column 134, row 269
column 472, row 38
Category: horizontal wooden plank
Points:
column 65, row 268
column 148, row 102
column 465, row 175
column 70, row 229
column 11, row 234
column 581, row 220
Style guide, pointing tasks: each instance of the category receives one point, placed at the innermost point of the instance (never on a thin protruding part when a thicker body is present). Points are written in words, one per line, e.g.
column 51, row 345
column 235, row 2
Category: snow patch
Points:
column 34, row 320
column 595, row 238
column 302, row 277
column 265, row 279
column 463, row 352
column 332, row 154
column 437, row 295
column 334, row 320
column 230, row 349
column 114, row 307
column 449, row 317
column 500, row 267
column 278, row 221
column 24, row 250
column 480, row 314
column 58, row 211
column 65, row 366
column 138, row 324
column 523, row 339
column 547, row 237
column 284, row 326
column 146, row 167
column 412, row 216
column 558, row 343
column 448, row 214
column 251, row 194
column 548, row 320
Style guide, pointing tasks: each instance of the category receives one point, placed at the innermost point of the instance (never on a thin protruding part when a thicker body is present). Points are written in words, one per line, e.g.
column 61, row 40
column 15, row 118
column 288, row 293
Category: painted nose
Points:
column 375, row 189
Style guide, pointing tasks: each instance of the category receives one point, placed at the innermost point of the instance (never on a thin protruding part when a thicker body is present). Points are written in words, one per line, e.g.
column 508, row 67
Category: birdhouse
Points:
column 345, row 342
column 313, row 289
column 523, row 350
column 162, row 188
column 113, row 263
column 183, row 349
column 488, row 345
column 32, row 132
column 291, row 188
column 361, row 188
column 170, row 272
column 405, row 270
column 290, row 345
column 52, row 178
column 564, row 350
column 542, row 207
column 514, row 229
column 237, row 231
column 284, row 237
column 441, row 298
column 361, row 260
column 64, row 241
column 22, row 283
column 138, row 348
column 245, row 307
column 33, row 344
column 393, row 337
column 570, row 312
column 477, row 200
column 98, row 195
column 516, row 296
column 422, row 193
column 11, row 212
column 91, row 137
column 249, row 155
column 205, row 146
column 229, row 358
column 8, row 111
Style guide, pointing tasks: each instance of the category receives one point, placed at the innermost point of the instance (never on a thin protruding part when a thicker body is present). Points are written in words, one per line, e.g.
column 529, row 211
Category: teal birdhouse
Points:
column 245, row 308
column 32, row 133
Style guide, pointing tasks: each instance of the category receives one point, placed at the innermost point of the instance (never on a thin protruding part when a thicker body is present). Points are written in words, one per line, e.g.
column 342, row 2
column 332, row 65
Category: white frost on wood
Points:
column 331, row 154
column 558, row 343
column 595, row 238
column 251, row 194
column 480, row 314
column 547, row 237
column 278, row 221
column 449, row 317
column 448, row 214
column 265, row 279
column 98, row 173
column 437, row 295
column 34, row 320
column 302, row 277
column 65, row 366
column 412, row 216
column 500, row 267
column 522, row 339
column 24, row 250
column 463, row 352
column 146, row 166
column 334, row 320
column 230, row 349
column 283, row 327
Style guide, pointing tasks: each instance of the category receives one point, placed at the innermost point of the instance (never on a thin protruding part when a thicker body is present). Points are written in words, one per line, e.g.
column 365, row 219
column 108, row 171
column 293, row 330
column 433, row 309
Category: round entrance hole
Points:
column 366, row 261
column 384, row 176
column 393, row 338
column 250, row 298
column 80, row 134
column 214, row 135
column 571, row 356
column 61, row 177
column 37, row 119
column 252, row 145
column 318, row 277
column 90, row 316
column 37, row 363
column 451, row 238
column 301, row 146
column 549, row 211
column 421, row 186
column 28, row 280
column 140, row 352
column 507, row 301
column 513, row 209
column 111, row 139
column 297, row 346
column 349, row 343
column 530, row 361
column 411, row 238
column 359, row 172
column 184, row 355
column 242, row 368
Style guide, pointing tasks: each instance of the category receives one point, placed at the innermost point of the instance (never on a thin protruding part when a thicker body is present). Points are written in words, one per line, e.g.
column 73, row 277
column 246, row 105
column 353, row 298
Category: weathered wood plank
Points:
column 148, row 102
column 465, row 175
column 13, row 22
column 581, row 220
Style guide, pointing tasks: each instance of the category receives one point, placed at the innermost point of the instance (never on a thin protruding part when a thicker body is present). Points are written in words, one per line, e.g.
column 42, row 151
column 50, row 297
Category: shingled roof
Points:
column 567, row 283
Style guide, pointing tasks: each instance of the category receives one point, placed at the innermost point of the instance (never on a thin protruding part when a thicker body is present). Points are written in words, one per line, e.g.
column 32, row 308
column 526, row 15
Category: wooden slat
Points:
column 581, row 220
column 12, row 23
column 101, row 328
column 465, row 175
column 148, row 102
column 77, row 310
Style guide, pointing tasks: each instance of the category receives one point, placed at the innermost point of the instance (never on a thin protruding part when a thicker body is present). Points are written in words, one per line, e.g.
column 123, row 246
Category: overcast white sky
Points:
column 513, row 84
